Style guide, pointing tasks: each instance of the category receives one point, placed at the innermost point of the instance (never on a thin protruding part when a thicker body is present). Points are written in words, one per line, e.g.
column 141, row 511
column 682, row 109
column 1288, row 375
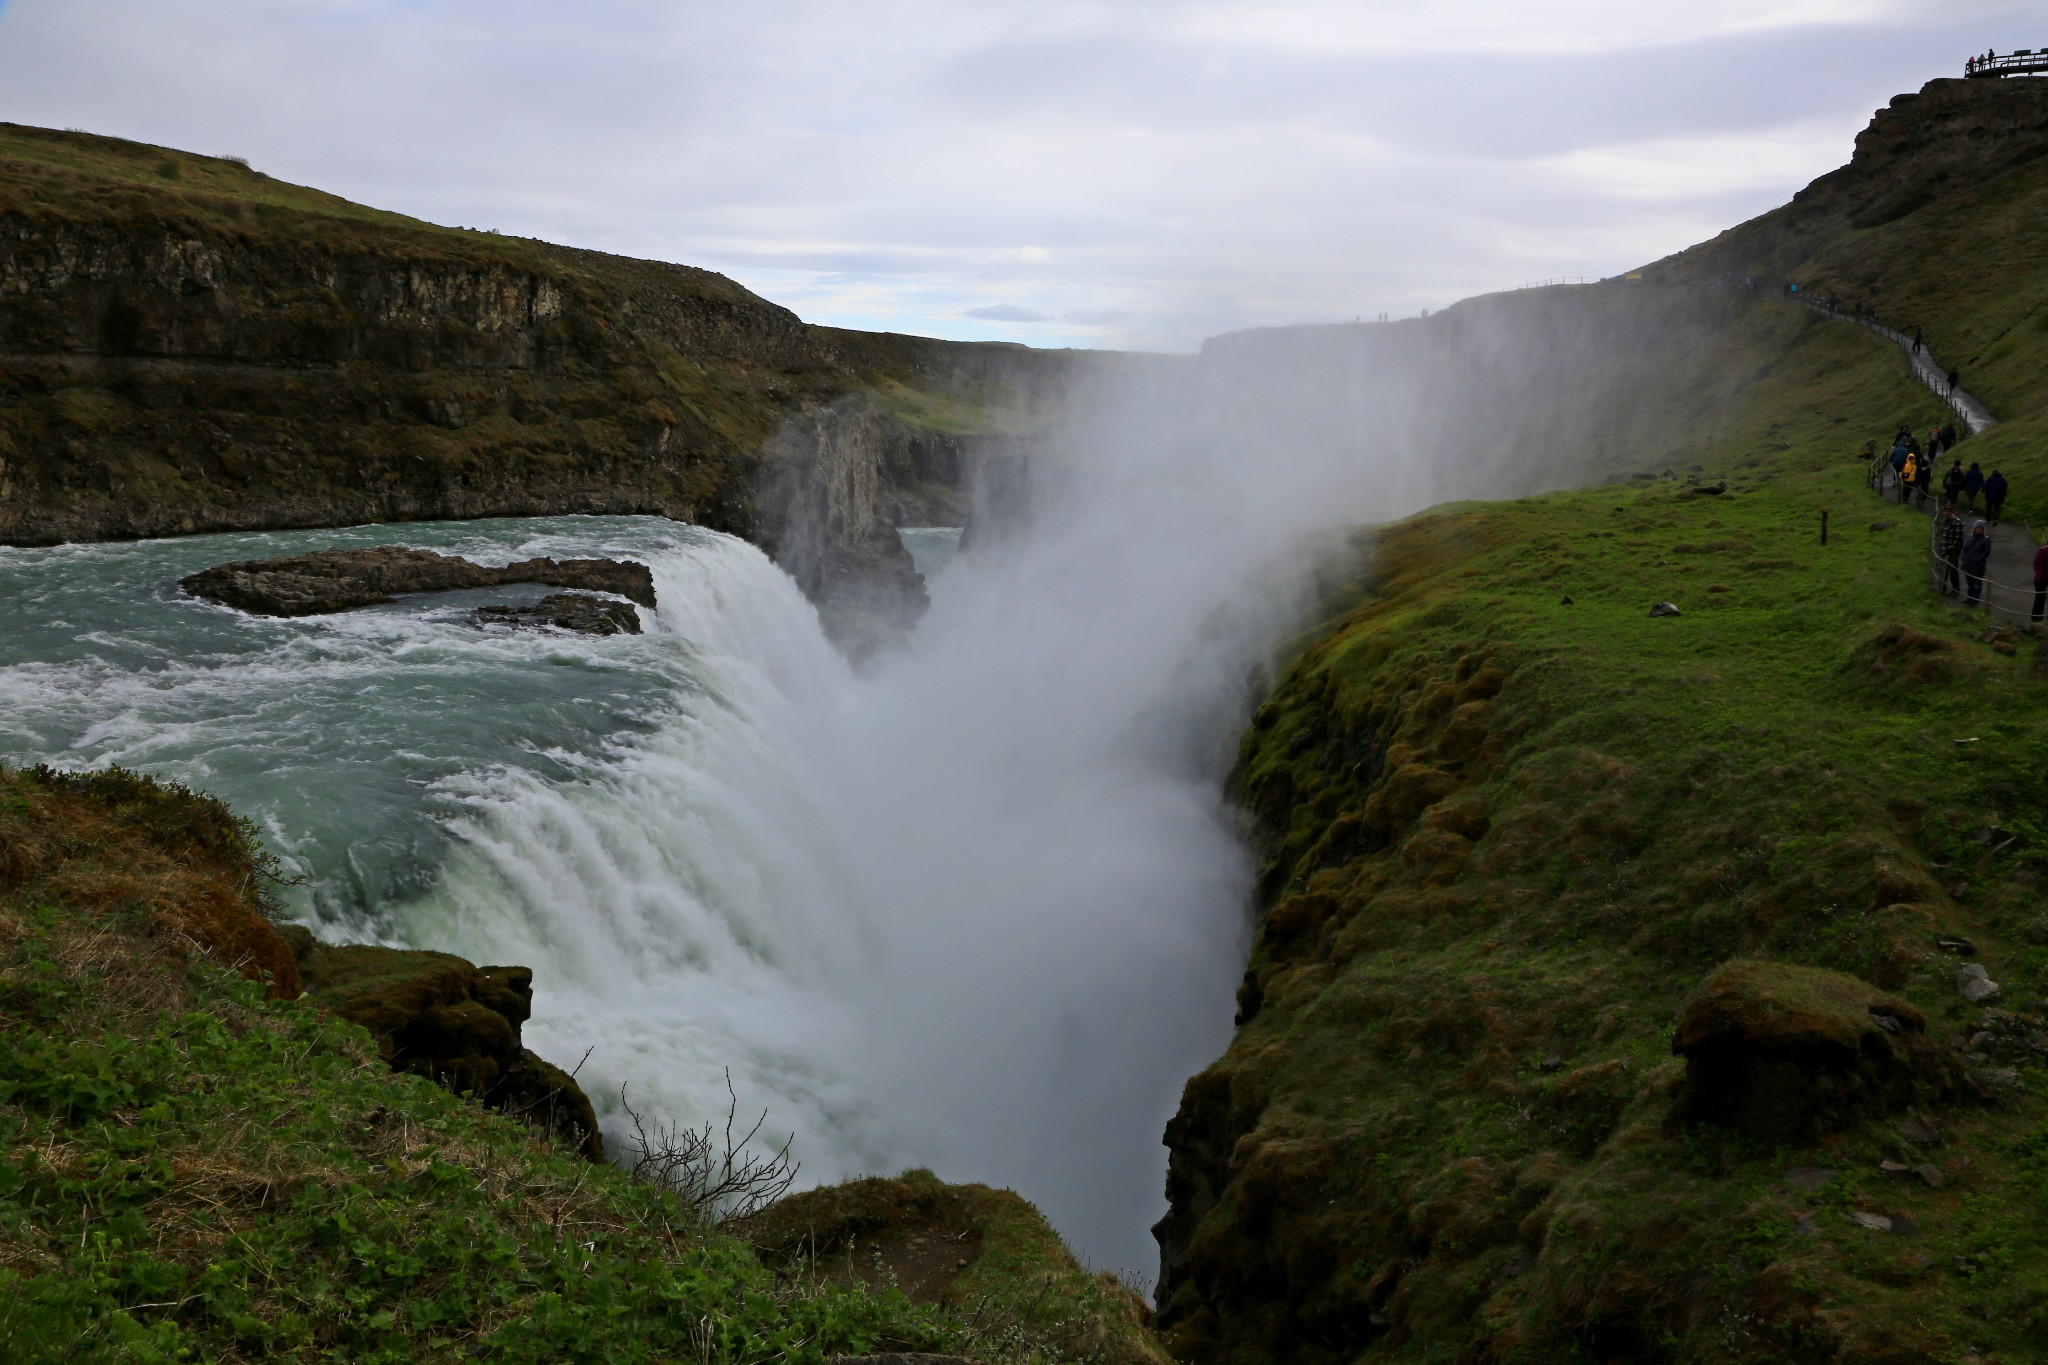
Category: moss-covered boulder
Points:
column 439, row 1016
column 984, row 1250
column 1790, row 1053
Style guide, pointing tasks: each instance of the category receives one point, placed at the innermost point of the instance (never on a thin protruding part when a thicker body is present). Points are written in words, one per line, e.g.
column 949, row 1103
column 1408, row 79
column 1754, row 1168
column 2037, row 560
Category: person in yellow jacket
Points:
column 1906, row 476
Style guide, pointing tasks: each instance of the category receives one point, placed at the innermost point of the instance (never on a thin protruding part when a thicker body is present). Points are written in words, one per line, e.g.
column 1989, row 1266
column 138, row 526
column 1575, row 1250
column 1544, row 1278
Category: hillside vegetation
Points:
column 199, row 1165
column 1937, row 223
column 1606, row 1003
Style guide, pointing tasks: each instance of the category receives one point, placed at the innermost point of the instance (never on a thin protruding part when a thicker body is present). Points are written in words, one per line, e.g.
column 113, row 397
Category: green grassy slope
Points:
column 1511, row 840
column 1939, row 222
column 191, row 1171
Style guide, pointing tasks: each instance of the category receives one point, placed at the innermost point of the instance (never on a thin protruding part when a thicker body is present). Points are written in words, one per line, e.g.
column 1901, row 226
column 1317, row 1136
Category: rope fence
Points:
column 2021, row 600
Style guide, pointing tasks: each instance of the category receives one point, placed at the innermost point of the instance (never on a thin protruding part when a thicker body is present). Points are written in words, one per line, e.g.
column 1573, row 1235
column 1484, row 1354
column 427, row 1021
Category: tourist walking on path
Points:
column 1952, row 483
column 1994, row 495
column 1973, row 484
column 1954, row 377
column 1949, row 545
column 2040, row 583
column 1976, row 554
column 1923, row 483
column 1909, row 474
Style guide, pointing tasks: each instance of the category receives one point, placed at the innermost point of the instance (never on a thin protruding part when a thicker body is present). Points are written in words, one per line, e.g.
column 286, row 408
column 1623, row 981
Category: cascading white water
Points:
column 980, row 907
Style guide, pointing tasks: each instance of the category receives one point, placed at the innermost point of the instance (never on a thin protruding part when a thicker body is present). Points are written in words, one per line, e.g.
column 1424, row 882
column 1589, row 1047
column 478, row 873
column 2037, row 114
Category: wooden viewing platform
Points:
column 2028, row 61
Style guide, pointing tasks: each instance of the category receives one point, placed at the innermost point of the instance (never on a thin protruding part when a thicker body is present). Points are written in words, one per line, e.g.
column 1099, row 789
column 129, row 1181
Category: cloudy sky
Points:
column 1061, row 172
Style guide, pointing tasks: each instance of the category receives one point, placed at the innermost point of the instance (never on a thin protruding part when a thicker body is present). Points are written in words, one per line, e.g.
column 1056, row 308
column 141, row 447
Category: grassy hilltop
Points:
column 1601, row 971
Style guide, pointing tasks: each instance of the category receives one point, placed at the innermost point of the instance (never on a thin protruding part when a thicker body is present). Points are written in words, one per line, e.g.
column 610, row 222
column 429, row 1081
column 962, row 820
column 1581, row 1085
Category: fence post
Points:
column 1823, row 525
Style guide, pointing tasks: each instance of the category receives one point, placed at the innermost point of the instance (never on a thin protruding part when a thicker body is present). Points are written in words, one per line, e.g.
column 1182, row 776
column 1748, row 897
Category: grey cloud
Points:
column 901, row 162
column 1007, row 312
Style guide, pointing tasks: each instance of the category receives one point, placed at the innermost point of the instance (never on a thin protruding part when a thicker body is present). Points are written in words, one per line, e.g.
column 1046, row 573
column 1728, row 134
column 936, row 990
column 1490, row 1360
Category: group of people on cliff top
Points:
column 1913, row 463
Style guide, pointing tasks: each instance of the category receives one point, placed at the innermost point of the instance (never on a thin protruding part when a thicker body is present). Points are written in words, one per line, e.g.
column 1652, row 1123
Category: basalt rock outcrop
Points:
column 455, row 1023
column 1922, row 147
column 338, row 580
column 575, row 611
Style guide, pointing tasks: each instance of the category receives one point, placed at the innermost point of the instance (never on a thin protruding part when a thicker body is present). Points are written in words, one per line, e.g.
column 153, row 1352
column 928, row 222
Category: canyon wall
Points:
column 187, row 345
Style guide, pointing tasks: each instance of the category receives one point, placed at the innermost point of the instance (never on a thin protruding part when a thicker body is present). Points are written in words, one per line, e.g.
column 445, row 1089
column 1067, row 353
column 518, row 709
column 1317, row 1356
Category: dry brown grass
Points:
column 116, row 850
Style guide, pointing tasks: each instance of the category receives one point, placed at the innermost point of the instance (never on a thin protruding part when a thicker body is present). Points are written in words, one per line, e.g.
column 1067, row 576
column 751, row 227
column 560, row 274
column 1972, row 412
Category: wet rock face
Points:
column 821, row 518
column 337, row 580
column 457, row 1024
column 567, row 611
column 1792, row 1053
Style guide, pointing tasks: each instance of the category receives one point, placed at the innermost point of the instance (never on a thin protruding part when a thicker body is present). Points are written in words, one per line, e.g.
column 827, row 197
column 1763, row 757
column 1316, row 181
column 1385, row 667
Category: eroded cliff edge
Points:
column 188, row 345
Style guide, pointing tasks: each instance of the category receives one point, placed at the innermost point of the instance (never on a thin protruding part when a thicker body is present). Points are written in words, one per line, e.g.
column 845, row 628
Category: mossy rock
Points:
column 1791, row 1053
column 972, row 1247
column 455, row 1023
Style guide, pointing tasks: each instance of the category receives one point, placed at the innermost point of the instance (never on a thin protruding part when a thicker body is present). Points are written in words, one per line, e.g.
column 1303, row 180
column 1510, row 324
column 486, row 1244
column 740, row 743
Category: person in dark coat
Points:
column 1976, row 555
column 1952, row 483
column 1948, row 543
column 1948, row 435
column 1923, row 483
column 1973, row 484
column 2040, row 583
column 1994, row 495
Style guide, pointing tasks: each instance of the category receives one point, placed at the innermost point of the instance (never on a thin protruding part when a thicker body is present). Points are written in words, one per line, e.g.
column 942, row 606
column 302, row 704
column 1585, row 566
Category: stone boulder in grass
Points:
column 457, row 1024
column 1790, row 1053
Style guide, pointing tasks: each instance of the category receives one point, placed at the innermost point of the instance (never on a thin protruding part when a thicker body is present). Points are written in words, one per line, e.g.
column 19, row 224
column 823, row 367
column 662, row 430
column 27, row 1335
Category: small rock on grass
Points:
column 1665, row 609
column 1809, row 1177
column 1931, row 1174
column 1995, row 1082
column 1975, row 983
column 1914, row 1128
column 1876, row 1222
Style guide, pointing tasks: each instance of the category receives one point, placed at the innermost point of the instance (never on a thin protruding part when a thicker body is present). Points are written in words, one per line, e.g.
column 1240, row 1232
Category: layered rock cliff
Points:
column 187, row 345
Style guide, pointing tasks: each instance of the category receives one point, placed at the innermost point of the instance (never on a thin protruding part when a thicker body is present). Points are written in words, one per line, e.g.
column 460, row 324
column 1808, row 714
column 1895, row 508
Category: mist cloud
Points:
column 1167, row 169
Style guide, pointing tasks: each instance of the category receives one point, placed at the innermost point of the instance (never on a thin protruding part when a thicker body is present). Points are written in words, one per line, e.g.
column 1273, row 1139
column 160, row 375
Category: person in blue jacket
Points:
column 1973, row 484
column 1994, row 495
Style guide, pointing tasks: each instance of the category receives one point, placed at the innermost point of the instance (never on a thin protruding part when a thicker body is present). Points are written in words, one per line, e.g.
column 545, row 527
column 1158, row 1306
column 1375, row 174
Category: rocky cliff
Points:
column 187, row 345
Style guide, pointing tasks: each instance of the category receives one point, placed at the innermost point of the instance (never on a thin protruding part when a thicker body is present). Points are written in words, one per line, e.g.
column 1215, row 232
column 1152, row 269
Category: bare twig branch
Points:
column 717, row 1180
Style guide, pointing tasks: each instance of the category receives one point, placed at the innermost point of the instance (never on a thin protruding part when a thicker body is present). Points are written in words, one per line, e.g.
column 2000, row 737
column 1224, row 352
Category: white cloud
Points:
column 1135, row 171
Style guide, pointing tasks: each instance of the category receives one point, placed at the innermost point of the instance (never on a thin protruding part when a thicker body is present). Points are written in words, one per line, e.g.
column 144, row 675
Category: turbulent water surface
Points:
column 937, row 914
